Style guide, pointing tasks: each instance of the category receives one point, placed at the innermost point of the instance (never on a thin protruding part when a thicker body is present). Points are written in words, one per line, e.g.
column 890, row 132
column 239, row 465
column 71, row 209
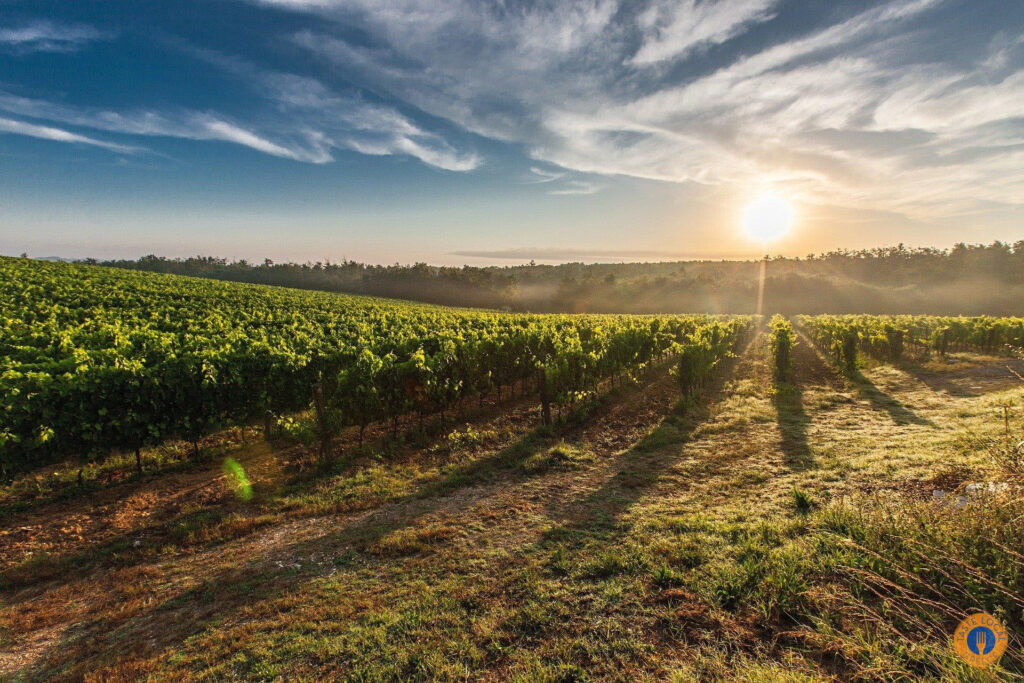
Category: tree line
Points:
column 966, row 279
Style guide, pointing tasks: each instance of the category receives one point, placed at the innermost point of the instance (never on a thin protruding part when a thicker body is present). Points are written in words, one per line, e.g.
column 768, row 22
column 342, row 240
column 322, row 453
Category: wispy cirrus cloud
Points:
column 311, row 122
column 824, row 112
column 184, row 124
column 560, row 184
column 302, row 119
column 46, row 36
column 58, row 135
column 351, row 122
column 330, row 120
column 540, row 175
column 576, row 187
column 205, row 127
column 673, row 28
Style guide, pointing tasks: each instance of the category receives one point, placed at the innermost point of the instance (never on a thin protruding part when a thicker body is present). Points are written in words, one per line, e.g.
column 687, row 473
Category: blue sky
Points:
column 490, row 132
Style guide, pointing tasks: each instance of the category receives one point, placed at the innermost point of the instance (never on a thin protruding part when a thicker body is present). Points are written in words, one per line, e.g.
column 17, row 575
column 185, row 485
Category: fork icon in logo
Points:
column 981, row 640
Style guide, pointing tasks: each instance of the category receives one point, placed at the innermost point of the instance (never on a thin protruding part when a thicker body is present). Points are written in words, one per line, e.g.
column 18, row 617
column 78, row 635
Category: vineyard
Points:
column 97, row 359
column 294, row 485
column 888, row 337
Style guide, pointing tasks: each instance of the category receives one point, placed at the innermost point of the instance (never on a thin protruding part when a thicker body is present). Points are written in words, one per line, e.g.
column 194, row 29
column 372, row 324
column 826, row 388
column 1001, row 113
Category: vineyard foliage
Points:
column 886, row 337
column 783, row 339
column 100, row 359
column 707, row 346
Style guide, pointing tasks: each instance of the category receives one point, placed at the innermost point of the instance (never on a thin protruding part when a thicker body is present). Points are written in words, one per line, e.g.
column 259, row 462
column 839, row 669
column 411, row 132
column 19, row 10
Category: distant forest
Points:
column 967, row 279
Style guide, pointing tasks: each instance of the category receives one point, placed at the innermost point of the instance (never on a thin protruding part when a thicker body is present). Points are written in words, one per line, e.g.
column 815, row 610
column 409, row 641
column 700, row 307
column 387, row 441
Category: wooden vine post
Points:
column 545, row 401
column 268, row 425
column 321, row 419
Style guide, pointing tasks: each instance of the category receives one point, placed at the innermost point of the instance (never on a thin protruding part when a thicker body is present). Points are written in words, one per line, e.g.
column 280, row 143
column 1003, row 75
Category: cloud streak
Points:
column 328, row 120
column 189, row 125
column 58, row 135
column 674, row 29
column 45, row 36
column 574, row 187
column 314, row 123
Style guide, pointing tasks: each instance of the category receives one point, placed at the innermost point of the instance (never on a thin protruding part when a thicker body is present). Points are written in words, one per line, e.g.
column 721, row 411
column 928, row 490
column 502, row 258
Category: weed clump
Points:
column 803, row 502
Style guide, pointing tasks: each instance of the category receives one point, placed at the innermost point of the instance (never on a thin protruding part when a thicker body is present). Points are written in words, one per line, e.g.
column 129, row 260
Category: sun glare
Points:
column 767, row 218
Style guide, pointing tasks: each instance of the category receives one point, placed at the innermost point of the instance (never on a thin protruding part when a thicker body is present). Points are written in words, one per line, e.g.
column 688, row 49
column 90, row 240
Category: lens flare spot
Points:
column 239, row 480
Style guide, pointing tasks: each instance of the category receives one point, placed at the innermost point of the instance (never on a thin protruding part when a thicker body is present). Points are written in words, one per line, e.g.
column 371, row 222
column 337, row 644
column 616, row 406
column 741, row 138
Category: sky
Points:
column 495, row 132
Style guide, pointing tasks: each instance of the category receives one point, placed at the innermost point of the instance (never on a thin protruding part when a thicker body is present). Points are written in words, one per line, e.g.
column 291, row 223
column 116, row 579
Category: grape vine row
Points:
column 96, row 360
column 887, row 337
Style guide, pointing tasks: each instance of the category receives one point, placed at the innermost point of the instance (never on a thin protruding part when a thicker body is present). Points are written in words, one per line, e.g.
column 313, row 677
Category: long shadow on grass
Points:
column 207, row 529
column 793, row 421
column 175, row 459
column 639, row 468
column 941, row 384
column 140, row 545
column 808, row 369
column 967, row 382
column 881, row 401
column 267, row 580
column 878, row 399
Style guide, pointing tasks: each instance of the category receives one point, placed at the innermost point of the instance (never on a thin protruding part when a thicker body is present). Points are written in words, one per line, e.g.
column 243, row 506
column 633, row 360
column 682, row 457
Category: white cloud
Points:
column 303, row 120
column 571, row 187
column 429, row 153
column 305, row 109
column 58, row 135
column 215, row 129
column 314, row 123
column 559, row 184
column 350, row 122
column 539, row 175
column 45, row 36
column 185, row 124
column 674, row 28
column 950, row 102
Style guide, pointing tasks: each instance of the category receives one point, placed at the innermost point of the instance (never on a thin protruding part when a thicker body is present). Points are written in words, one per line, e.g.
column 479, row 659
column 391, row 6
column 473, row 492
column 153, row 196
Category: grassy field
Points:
column 770, row 531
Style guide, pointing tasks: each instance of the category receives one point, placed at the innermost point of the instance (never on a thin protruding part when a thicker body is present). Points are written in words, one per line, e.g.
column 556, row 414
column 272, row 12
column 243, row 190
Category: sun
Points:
column 767, row 218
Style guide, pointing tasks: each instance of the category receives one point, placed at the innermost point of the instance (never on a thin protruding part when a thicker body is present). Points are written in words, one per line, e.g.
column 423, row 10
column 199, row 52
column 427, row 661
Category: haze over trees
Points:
column 966, row 279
